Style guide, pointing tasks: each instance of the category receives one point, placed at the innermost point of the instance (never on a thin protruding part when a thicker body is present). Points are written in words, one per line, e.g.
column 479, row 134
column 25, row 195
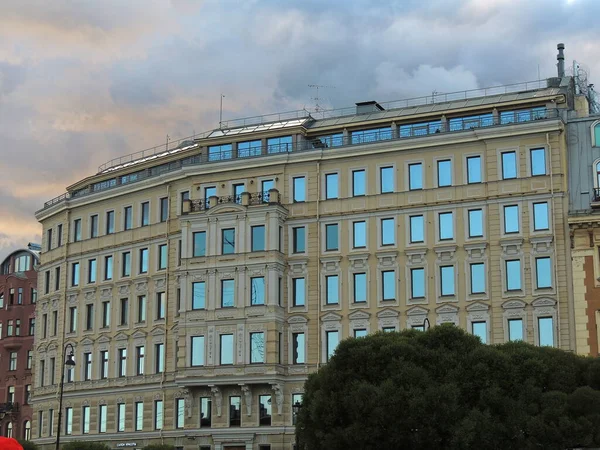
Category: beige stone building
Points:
column 199, row 286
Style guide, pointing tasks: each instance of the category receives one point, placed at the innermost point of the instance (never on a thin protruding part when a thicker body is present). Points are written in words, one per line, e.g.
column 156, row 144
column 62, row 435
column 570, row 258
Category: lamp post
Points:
column 296, row 407
column 69, row 363
column 426, row 324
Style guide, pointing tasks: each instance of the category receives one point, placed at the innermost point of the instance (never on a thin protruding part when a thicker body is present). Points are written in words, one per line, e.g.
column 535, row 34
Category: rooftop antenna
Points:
column 167, row 145
column 316, row 98
column 221, row 112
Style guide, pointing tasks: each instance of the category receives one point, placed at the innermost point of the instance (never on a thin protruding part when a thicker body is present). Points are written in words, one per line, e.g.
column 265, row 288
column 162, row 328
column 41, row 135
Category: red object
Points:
column 9, row 444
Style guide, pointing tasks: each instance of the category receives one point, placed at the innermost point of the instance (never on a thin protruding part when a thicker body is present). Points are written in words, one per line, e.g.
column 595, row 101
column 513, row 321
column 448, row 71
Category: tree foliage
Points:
column 445, row 389
column 84, row 445
column 28, row 445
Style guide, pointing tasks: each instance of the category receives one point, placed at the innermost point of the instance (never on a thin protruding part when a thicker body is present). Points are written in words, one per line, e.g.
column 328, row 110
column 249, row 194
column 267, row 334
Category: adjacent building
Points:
column 200, row 284
column 18, row 296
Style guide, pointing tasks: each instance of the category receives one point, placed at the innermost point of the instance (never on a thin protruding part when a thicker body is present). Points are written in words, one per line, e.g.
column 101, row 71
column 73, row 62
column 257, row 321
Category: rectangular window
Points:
column 159, row 358
column 205, row 411
column 49, row 239
column 386, row 179
column 126, row 264
column 296, row 402
column 511, row 219
column 388, row 285
column 199, row 243
column 477, row 278
column 197, row 351
column 75, row 274
column 122, row 354
column 360, row 332
column 538, row 161
column 474, row 169
column 257, row 238
column 94, row 226
column 145, row 214
column 298, row 291
column 515, row 329
column 299, row 239
column 446, row 224
column 141, row 309
column 540, row 216
column 139, row 416
column 121, row 414
column 331, row 237
column 359, row 183
column 388, row 232
column 108, row 267
column 12, row 362
column 140, row 357
column 72, row 319
column 546, row 331
column 444, row 172
column 68, row 421
column 359, row 234
column 127, row 218
column 235, row 413
column 92, row 271
column 238, row 190
column 124, row 311
column 220, row 152
column 160, row 305
column 179, row 413
column 332, row 339
column 282, row 144
column 59, row 229
column 44, row 326
column 543, row 272
column 227, row 293
column 264, row 410
column 298, row 348
column 257, row 291
column 89, row 316
column 332, row 286
column 228, row 241
column 162, row 257
column 77, row 230
column 143, row 260
column 360, row 287
column 417, row 283
column 513, row 275
column 110, row 222
column 226, row 348
column 54, row 323
column 158, row 414
column 102, row 418
column 509, row 165
column 249, row 148
column 415, row 176
column 257, row 348
column 198, row 295
column 447, row 280
column 267, row 185
column 331, row 186
column 164, row 209
column 46, row 283
column 417, row 229
column 299, row 189
column 475, row 223
column 479, row 329
column 32, row 326
column 87, row 366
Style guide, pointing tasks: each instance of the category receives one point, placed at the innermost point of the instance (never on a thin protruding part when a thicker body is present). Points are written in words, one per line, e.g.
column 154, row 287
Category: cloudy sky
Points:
column 84, row 81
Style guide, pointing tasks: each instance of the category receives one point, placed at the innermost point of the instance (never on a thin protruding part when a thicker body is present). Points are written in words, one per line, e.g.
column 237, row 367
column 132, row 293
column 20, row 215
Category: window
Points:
column 197, row 351
column 331, row 186
column 68, row 421
column 332, row 340
column 77, row 230
column 59, row 229
column 546, row 331
column 477, row 278
column 160, row 305
column 164, row 209
column 227, row 293
column 388, row 232
column 515, row 329
column 331, row 237
column 108, row 267
column 205, row 411
column 27, row 394
column 42, row 372
column 124, row 311
column 158, row 414
column 298, row 239
column 143, row 260
column 238, row 190
column 267, row 185
column 139, row 416
column 511, row 219
column 332, row 286
column 386, row 179
column 298, row 291
column 359, row 235
column 257, row 291
column 388, row 285
column 475, row 223
column 31, row 327
column 54, row 323
column 446, row 226
column 299, row 189
column 371, row 135
column 361, row 332
column 102, row 418
column 89, row 316
column 417, row 283
column 415, row 176
column 257, row 348
column 72, row 319
column 257, row 237
column 479, row 329
column 110, row 222
column 126, row 264
column 447, row 280
column 596, row 135
column 145, row 214
column 474, row 169
column 359, row 181
column 298, row 348
column 33, row 297
column 509, row 165
column 12, row 363
column 220, row 152
column 179, row 413
column 235, row 413
column 296, row 401
column 540, row 216
column 198, row 295
column 94, row 226
column 49, row 239
column 29, row 359
column 121, row 414
column 228, row 241
column 280, row 144
column 127, row 218
column 360, row 287
column 543, row 272
column 140, row 357
column 27, row 430
column 122, row 354
column 46, row 287
column 200, row 243
column 9, row 328
column 444, row 172
column 538, row 161
column 513, row 275
column 18, row 327
column 92, row 271
column 159, row 358
column 87, row 366
column 141, row 309
column 417, row 229
column 264, row 410
column 41, row 423
column 75, row 274
column 226, row 356
column 162, row 256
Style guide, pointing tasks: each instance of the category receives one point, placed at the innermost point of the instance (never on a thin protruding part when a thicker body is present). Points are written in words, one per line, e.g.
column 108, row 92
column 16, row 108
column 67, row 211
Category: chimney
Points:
column 561, row 60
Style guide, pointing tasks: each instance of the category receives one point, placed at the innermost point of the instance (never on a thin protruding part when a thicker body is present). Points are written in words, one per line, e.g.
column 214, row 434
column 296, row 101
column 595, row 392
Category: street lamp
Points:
column 69, row 364
column 426, row 324
column 296, row 407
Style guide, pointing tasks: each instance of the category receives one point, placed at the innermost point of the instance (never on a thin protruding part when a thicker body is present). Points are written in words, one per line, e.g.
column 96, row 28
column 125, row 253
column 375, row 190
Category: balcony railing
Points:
column 596, row 197
column 257, row 198
column 9, row 408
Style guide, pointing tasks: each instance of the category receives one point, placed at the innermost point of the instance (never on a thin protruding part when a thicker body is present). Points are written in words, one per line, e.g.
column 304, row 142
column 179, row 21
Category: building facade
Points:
column 199, row 285
column 18, row 296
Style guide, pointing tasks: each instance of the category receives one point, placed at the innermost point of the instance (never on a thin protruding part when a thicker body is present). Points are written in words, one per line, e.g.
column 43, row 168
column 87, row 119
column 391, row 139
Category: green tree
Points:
column 28, row 445
column 445, row 389
column 159, row 447
column 85, row 445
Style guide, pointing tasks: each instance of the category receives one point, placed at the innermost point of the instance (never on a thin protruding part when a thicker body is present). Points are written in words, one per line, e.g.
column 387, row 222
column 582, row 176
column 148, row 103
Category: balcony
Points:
column 9, row 409
column 13, row 342
column 596, row 198
column 245, row 199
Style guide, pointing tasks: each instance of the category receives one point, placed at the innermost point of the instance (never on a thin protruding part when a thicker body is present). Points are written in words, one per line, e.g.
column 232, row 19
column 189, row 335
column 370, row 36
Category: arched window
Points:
column 596, row 134
column 9, row 430
column 27, row 430
column 598, row 174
